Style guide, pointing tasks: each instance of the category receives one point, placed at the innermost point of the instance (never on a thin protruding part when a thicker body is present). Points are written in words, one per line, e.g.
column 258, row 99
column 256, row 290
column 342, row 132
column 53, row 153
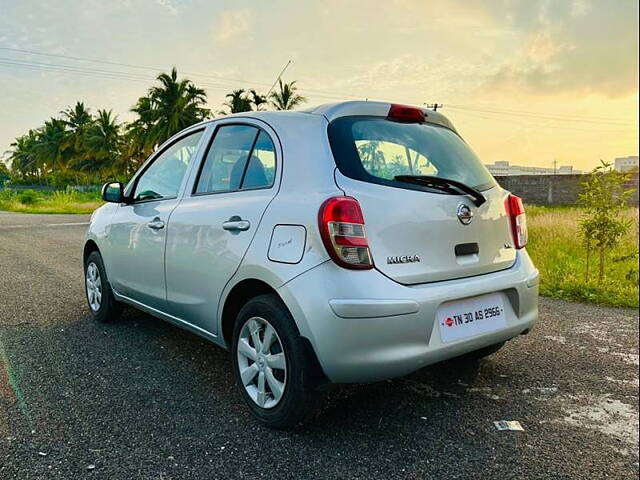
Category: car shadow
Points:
column 375, row 403
column 146, row 364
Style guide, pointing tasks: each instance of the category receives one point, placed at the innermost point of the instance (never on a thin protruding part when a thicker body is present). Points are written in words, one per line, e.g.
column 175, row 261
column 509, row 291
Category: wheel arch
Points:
column 238, row 296
column 90, row 246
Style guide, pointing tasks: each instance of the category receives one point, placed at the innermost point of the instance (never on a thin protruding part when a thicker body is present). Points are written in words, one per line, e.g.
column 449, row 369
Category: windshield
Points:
column 376, row 150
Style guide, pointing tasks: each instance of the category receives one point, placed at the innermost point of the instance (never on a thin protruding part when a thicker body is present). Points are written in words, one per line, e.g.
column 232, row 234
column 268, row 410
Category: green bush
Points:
column 28, row 197
column 561, row 258
column 65, row 196
column 7, row 195
column 69, row 200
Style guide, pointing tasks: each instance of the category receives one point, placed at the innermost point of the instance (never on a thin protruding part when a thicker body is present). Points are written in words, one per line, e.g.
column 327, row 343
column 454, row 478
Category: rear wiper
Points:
column 445, row 184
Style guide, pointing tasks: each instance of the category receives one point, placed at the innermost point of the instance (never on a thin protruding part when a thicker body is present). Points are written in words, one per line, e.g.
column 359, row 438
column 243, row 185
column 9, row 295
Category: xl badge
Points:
column 465, row 215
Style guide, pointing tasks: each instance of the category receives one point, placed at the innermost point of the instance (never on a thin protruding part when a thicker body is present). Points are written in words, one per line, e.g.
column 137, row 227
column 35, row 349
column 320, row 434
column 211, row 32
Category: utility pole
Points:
column 555, row 166
column 278, row 77
column 433, row 106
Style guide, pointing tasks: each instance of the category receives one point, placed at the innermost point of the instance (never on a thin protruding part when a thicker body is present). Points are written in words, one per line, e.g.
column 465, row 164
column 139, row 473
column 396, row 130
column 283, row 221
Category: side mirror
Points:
column 113, row 192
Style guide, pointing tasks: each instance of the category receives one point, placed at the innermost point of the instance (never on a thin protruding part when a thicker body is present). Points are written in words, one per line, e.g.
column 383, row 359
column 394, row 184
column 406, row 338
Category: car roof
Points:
column 378, row 109
column 331, row 111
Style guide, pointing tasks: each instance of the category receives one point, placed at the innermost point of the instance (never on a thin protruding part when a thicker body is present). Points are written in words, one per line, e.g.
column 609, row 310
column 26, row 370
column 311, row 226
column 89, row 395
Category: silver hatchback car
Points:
column 352, row 242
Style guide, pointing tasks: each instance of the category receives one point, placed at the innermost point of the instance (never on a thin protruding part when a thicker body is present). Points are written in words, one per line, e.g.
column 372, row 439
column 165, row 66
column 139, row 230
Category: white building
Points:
column 624, row 164
column 503, row 168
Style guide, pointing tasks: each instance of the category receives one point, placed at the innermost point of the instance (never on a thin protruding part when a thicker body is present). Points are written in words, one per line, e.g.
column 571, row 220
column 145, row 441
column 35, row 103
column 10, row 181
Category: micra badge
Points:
column 403, row 259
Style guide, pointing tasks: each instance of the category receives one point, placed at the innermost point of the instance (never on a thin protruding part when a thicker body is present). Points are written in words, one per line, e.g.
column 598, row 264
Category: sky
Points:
column 528, row 81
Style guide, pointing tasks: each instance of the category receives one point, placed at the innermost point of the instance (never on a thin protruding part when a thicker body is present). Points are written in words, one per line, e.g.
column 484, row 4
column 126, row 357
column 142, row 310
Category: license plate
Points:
column 470, row 317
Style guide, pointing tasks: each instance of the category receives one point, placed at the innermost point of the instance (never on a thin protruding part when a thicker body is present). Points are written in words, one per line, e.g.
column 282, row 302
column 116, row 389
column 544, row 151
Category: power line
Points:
column 563, row 115
column 312, row 92
column 128, row 65
column 111, row 74
column 105, row 74
column 525, row 122
column 550, row 116
column 87, row 74
column 84, row 70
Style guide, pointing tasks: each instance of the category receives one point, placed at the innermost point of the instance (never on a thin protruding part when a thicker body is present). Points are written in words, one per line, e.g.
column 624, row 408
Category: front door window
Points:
column 162, row 179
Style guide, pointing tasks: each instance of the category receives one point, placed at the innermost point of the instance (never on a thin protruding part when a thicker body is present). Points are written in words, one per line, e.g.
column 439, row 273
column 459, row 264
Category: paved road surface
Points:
column 142, row 399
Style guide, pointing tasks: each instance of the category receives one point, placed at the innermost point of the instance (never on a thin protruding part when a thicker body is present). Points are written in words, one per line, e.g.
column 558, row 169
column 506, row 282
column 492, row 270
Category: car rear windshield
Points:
column 376, row 150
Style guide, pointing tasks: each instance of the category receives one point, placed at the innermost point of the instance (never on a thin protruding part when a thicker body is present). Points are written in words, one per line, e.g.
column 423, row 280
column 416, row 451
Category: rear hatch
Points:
column 420, row 224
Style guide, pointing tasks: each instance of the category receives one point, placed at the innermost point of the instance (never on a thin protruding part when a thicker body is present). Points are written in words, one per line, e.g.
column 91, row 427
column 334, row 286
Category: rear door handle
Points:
column 236, row 224
column 156, row 224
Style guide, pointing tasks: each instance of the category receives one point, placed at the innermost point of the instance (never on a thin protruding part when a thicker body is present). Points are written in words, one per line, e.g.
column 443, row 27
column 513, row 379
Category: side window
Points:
column 237, row 160
column 225, row 161
column 162, row 179
column 262, row 164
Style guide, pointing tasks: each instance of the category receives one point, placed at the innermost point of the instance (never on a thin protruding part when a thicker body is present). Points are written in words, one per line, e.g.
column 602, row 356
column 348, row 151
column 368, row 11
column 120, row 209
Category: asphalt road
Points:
column 142, row 399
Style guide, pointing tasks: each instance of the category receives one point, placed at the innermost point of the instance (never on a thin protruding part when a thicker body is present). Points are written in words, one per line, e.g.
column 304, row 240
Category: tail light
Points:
column 342, row 230
column 518, row 220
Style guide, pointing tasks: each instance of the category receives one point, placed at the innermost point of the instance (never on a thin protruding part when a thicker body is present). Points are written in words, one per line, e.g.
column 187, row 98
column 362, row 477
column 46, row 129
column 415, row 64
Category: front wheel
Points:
column 271, row 364
column 102, row 304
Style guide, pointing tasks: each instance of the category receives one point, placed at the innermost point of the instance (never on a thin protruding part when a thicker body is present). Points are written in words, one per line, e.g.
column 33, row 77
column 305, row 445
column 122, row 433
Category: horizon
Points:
column 524, row 82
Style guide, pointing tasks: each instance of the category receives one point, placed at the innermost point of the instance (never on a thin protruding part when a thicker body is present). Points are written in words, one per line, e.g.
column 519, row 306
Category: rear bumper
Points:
column 365, row 327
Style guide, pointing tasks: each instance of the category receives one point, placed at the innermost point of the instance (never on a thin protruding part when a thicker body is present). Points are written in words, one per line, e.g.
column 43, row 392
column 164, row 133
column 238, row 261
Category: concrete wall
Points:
column 553, row 189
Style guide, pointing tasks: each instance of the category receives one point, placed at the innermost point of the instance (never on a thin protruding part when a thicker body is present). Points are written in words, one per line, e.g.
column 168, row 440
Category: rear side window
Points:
column 375, row 150
column 239, row 157
column 262, row 164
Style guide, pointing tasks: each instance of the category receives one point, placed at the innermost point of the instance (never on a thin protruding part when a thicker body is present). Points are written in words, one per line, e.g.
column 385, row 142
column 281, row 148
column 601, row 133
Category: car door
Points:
column 215, row 222
column 138, row 230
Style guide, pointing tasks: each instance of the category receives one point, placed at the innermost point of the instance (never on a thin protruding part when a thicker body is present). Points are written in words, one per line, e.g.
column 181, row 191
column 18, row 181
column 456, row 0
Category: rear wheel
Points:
column 102, row 304
column 271, row 364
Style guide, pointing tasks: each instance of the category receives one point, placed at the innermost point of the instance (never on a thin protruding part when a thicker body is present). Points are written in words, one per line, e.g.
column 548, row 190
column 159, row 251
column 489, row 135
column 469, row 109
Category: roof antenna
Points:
column 278, row 78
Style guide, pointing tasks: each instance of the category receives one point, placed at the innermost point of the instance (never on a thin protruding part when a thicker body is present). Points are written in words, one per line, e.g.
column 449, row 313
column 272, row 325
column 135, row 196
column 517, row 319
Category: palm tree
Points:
column 77, row 117
column 168, row 108
column 286, row 98
column 4, row 173
column 238, row 101
column 140, row 139
column 23, row 157
column 258, row 99
column 102, row 143
column 79, row 141
column 53, row 148
column 372, row 158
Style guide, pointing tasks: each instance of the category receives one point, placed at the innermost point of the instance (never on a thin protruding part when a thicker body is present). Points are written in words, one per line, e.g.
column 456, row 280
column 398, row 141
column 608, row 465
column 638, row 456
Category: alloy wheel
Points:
column 261, row 362
column 94, row 287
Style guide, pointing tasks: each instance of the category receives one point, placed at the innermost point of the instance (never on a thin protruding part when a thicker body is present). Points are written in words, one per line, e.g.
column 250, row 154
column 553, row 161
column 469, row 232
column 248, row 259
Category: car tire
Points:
column 253, row 371
column 103, row 306
column 483, row 352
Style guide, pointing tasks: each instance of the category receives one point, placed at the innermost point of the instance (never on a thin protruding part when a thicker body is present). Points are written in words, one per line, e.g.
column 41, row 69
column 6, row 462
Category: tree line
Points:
column 83, row 147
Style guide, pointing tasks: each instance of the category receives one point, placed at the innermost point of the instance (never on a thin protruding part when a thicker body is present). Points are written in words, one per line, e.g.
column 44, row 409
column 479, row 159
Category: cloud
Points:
column 232, row 24
column 171, row 5
column 597, row 55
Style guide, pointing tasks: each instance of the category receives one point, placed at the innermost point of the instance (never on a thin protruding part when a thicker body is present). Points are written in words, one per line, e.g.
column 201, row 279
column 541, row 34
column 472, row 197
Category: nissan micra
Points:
column 352, row 242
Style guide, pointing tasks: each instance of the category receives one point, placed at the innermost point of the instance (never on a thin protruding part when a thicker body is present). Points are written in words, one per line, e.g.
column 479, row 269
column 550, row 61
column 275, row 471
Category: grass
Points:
column 61, row 201
column 556, row 249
